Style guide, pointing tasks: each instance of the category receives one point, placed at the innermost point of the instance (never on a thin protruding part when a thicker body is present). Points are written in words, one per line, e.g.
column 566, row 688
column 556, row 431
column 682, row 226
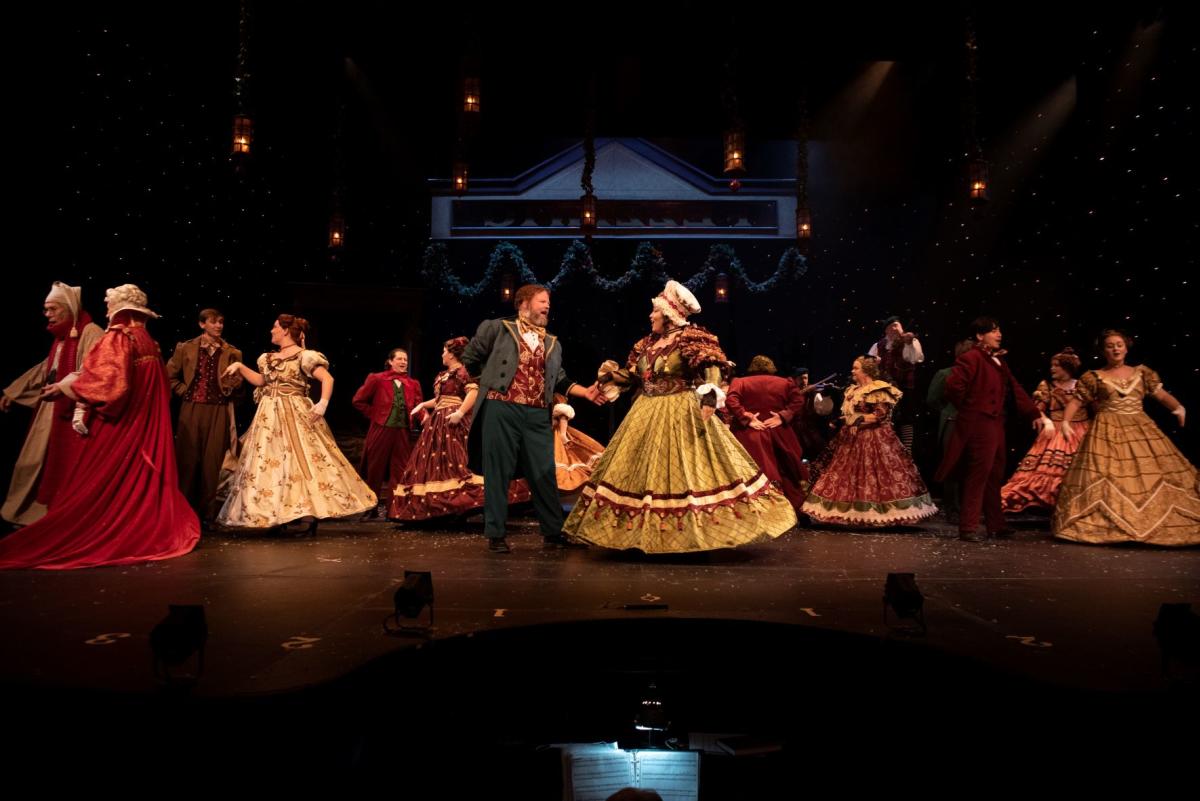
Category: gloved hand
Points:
column 77, row 420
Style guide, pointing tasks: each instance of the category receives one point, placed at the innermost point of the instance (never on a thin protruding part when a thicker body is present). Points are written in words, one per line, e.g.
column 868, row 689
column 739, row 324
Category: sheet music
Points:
column 674, row 775
column 594, row 772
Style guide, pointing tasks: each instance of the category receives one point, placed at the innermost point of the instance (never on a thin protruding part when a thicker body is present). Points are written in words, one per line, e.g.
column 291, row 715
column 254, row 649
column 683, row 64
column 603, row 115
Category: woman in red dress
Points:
column 436, row 482
column 870, row 480
column 121, row 503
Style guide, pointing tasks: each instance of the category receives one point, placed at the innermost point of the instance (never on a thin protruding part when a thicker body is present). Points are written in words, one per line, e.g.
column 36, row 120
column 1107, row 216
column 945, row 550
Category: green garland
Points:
column 648, row 265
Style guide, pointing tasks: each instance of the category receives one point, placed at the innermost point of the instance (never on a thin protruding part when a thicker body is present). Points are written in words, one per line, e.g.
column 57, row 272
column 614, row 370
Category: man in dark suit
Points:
column 519, row 365
column 978, row 386
column 206, row 429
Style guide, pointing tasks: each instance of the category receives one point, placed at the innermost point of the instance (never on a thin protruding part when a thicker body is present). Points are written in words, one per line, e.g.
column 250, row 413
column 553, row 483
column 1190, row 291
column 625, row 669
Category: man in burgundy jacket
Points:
column 978, row 386
column 761, row 407
column 387, row 399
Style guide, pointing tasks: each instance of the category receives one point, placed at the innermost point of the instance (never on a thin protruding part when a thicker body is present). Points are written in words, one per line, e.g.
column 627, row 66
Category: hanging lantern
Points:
column 243, row 133
column 337, row 230
column 721, row 288
column 460, row 177
column 803, row 223
column 471, row 95
column 587, row 214
column 735, row 151
column 507, row 287
column 980, row 188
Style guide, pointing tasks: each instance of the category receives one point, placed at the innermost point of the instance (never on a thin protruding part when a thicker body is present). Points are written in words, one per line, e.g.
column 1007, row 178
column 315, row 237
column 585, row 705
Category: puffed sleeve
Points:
column 310, row 360
column 701, row 349
column 884, row 397
column 468, row 383
column 635, row 353
column 261, row 364
column 1150, row 379
column 1087, row 387
column 106, row 380
column 1041, row 397
column 614, row 379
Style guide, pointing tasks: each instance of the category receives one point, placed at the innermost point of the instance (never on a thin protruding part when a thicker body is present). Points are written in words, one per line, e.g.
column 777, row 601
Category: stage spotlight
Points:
column 1177, row 629
column 901, row 595
column 182, row 634
column 412, row 596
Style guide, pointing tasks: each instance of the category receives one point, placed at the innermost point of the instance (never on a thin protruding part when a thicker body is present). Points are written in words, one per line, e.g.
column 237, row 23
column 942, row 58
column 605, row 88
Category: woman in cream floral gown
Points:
column 290, row 466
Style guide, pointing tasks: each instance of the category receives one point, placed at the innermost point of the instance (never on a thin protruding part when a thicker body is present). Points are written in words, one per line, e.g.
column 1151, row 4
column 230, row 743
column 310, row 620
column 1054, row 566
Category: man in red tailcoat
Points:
column 387, row 399
column 978, row 386
column 762, row 406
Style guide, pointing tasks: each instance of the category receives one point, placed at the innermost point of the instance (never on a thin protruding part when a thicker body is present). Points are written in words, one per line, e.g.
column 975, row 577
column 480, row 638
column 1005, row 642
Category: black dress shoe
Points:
column 561, row 541
column 972, row 536
column 498, row 545
column 308, row 531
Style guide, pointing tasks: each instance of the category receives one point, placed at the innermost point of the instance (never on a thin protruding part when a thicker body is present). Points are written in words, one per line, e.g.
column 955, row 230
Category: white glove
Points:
column 77, row 420
column 320, row 406
column 454, row 418
column 1180, row 412
column 704, row 389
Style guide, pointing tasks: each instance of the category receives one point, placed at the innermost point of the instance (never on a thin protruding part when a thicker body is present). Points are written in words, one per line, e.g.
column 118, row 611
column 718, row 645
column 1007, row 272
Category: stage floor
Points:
column 285, row 614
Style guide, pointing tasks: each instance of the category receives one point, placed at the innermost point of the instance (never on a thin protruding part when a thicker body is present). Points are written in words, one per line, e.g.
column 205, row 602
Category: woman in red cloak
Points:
column 121, row 503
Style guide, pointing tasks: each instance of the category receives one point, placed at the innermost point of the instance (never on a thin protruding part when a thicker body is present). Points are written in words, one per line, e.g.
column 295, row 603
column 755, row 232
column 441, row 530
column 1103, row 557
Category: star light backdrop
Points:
column 1086, row 119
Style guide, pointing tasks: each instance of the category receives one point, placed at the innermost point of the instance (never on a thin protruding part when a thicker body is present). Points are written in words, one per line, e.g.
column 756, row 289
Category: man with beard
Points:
column 519, row 365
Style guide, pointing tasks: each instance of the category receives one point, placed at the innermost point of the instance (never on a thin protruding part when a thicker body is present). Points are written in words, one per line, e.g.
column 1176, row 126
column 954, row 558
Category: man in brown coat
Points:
column 206, row 429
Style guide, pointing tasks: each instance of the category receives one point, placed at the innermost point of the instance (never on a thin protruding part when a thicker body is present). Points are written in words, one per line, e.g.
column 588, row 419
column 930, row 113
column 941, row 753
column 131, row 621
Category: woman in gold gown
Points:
column 1127, row 482
column 674, row 479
